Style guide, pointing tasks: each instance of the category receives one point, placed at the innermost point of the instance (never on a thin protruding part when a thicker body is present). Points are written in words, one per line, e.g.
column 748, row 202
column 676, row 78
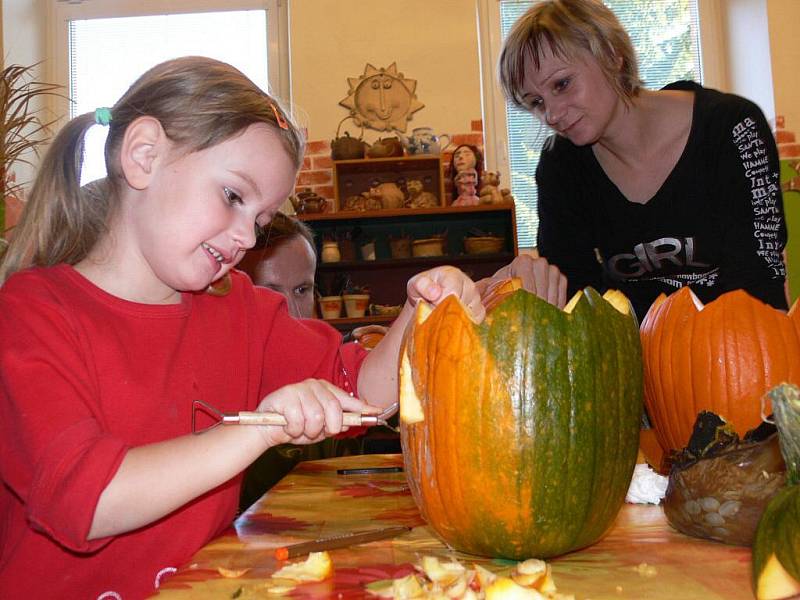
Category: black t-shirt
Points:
column 716, row 224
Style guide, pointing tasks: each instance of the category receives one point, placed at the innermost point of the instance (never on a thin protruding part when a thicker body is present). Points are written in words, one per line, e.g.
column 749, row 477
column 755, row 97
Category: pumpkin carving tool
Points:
column 270, row 418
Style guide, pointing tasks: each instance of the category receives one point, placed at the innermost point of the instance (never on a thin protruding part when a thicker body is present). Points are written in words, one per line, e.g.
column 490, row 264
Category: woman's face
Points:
column 572, row 95
column 289, row 270
column 464, row 158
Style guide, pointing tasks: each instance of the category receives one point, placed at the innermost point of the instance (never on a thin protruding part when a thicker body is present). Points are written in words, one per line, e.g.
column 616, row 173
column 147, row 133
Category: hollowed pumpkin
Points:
column 526, row 426
column 721, row 357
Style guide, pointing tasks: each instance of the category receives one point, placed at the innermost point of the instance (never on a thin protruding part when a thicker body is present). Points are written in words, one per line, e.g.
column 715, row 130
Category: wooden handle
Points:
column 268, row 418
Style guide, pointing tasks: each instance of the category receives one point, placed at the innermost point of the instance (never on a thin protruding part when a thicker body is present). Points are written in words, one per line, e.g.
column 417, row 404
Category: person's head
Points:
column 465, row 156
column 570, row 30
column 202, row 149
column 286, row 262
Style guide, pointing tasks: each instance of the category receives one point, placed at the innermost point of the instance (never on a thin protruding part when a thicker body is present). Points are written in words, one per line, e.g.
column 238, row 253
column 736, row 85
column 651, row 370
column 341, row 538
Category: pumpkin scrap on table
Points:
column 531, row 579
column 776, row 550
column 721, row 357
column 493, row 415
column 317, row 567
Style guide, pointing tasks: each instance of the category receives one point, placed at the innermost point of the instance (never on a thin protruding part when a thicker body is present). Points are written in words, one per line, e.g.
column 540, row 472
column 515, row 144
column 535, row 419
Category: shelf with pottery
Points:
column 348, row 323
column 432, row 237
column 377, row 183
column 422, row 262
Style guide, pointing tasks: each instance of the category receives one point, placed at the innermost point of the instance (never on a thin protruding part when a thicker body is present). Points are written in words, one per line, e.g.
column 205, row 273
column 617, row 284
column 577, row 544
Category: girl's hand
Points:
column 313, row 410
column 436, row 284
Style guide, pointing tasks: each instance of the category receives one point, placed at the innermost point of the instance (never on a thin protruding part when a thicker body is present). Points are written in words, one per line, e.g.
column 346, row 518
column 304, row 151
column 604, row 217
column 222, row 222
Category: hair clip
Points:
column 281, row 121
column 102, row 116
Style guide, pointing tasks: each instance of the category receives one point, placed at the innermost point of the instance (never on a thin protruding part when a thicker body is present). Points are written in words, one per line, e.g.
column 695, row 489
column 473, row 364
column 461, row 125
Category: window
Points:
column 109, row 43
column 666, row 36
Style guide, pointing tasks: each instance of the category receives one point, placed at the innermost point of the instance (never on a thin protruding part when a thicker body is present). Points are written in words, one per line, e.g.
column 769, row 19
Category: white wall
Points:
column 749, row 67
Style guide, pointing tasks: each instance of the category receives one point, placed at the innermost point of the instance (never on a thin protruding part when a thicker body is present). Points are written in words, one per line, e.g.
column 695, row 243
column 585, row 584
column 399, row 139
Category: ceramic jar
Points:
column 330, row 252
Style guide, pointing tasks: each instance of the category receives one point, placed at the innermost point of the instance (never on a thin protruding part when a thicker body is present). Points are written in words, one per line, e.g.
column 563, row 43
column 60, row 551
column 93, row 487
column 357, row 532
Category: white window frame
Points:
column 63, row 11
column 712, row 51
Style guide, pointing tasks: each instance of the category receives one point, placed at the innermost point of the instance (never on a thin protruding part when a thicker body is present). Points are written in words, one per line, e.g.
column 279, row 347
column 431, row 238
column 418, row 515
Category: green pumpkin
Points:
column 520, row 434
column 776, row 549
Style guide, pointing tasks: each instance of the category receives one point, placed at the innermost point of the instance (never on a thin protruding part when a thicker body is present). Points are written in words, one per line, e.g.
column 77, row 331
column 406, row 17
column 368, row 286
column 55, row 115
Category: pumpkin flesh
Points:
column 531, row 423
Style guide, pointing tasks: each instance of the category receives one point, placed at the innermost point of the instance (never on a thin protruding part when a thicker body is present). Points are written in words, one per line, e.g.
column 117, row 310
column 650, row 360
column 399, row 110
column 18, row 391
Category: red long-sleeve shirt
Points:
column 85, row 376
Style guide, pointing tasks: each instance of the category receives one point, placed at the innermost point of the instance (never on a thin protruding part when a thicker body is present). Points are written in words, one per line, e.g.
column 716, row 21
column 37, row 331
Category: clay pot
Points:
column 346, row 147
column 385, row 148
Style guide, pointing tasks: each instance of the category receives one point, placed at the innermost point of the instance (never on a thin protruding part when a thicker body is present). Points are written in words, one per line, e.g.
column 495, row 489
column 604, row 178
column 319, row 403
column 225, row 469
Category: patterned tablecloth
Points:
column 641, row 557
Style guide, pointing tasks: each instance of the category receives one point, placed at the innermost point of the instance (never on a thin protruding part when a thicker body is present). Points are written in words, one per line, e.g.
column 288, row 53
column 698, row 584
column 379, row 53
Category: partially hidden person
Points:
column 284, row 260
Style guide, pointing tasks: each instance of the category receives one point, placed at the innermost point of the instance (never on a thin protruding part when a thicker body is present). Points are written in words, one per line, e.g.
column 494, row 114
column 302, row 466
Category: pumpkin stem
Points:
column 786, row 408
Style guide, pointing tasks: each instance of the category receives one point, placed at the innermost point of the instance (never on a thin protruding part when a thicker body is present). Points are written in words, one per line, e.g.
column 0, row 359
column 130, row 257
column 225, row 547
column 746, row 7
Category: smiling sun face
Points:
column 382, row 99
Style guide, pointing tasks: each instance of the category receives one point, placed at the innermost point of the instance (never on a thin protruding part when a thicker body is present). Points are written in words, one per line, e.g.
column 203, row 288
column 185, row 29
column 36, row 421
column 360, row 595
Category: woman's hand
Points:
column 436, row 284
column 313, row 410
column 538, row 277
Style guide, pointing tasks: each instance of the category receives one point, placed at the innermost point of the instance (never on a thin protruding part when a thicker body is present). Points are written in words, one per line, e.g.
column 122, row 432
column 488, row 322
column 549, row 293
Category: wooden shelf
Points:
column 386, row 277
column 346, row 324
column 404, row 212
column 354, row 178
column 423, row 262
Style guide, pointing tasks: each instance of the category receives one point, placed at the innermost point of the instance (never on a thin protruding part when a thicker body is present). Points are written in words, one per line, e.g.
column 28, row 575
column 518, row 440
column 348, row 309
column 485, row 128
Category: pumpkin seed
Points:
column 729, row 508
column 721, row 533
column 692, row 507
column 709, row 504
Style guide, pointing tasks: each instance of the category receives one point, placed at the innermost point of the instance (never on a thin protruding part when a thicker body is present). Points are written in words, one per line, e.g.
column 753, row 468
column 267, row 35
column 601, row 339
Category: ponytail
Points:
column 60, row 222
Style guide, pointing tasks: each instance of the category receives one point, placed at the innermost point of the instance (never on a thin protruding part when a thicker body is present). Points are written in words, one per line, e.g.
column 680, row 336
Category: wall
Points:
column 433, row 43
column 24, row 44
column 749, row 71
column 784, row 33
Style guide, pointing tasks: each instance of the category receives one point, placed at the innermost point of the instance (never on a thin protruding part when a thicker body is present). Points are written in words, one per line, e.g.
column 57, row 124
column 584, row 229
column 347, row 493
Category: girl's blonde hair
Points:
column 565, row 26
column 200, row 102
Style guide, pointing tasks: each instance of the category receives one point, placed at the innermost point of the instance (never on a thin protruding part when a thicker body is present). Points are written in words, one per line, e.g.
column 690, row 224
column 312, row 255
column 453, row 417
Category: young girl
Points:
column 108, row 337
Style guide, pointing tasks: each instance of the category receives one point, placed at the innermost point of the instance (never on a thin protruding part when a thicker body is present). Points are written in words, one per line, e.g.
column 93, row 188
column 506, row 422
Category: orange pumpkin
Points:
column 721, row 357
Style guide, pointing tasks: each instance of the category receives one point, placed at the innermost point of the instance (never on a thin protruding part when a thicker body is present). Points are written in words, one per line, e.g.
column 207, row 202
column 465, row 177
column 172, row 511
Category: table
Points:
column 641, row 557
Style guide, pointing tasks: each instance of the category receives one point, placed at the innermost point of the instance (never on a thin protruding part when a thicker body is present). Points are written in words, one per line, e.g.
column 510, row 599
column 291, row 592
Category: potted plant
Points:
column 330, row 296
column 356, row 299
column 23, row 129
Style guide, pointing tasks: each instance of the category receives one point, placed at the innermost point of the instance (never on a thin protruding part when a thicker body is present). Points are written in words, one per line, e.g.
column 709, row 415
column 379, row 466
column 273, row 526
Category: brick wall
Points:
column 317, row 169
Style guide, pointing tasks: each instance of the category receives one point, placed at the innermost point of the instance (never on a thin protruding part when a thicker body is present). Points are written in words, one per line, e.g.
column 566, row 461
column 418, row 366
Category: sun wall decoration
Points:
column 382, row 99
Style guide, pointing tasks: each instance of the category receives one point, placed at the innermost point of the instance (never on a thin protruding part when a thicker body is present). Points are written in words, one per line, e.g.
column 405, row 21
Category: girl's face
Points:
column 199, row 212
column 464, row 158
column 571, row 95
